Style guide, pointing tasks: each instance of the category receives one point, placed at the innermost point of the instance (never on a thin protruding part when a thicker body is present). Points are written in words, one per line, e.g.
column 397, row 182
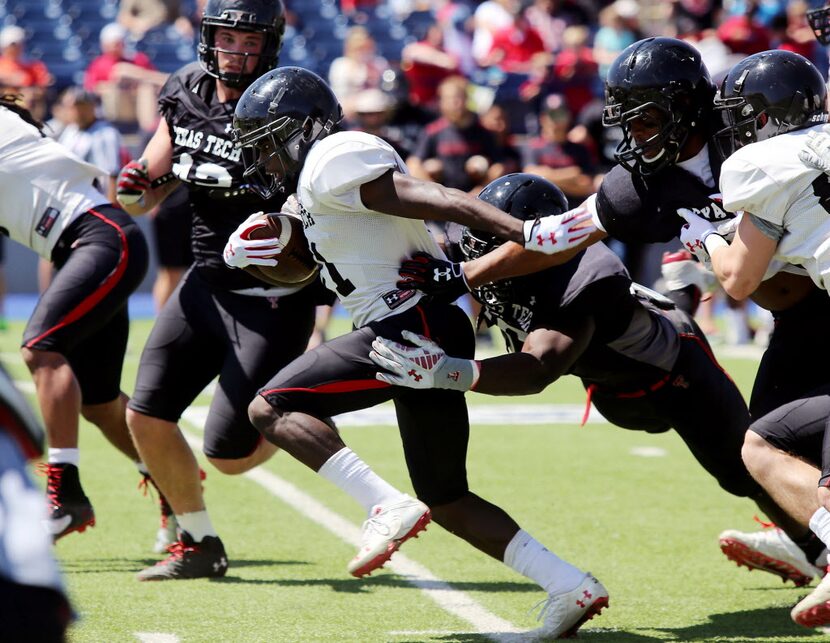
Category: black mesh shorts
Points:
column 338, row 377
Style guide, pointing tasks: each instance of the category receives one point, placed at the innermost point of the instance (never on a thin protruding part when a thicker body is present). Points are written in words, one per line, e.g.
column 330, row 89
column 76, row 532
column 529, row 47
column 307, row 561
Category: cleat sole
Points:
column 381, row 559
column 594, row 610
column 743, row 556
column 816, row 616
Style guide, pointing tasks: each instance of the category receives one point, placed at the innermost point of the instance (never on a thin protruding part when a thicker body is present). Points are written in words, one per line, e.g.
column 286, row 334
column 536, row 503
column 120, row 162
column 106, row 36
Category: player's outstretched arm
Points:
column 402, row 195
column 144, row 183
column 546, row 355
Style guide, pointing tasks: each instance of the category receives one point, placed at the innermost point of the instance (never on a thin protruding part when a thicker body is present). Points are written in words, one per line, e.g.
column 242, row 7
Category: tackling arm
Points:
column 546, row 355
column 740, row 265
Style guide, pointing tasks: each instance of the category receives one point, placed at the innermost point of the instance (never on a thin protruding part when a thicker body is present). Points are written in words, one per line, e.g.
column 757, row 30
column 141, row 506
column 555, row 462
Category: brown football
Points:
column 296, row 264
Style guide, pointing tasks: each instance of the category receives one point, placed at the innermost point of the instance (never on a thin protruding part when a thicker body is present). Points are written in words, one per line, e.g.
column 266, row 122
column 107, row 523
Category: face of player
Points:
column 646, row 127
column 237, row 52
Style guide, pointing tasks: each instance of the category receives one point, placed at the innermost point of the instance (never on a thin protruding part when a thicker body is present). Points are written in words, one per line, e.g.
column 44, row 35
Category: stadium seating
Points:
column 64, row 34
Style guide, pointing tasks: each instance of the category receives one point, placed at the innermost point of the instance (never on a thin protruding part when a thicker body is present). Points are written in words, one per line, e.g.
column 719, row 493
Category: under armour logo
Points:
column 454, row 376
column 680, row 382
column 222, row 562
column 540, row 240
column 694, row 246
column 414, row 375
column 441, row 274
column 228, row 128
column 274, row 301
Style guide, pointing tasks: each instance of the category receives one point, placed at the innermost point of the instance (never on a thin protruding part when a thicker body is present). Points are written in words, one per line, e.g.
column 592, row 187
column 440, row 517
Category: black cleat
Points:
column 69, row 508
column 189, row 559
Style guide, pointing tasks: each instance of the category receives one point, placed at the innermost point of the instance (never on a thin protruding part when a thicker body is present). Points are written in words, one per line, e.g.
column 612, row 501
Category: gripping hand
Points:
column 558, row 232
column 241, row 251
column 423, row 366
column 440, row 278
column 133, row 182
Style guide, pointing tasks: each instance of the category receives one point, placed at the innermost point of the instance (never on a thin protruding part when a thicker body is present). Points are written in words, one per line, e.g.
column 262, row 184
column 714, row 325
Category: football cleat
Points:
column 770, row 551
column 69, row 508
column 565, row 612
column 386, row 529
column 189, row 559
column 814, row 609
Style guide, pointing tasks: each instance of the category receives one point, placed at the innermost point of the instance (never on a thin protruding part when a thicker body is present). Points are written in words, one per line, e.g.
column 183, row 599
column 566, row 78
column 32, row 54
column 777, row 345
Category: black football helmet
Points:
column 767, row 94
column 819, row 20
column 521, row 195
column 280, row 116
column 663, row 74
column 261, row 16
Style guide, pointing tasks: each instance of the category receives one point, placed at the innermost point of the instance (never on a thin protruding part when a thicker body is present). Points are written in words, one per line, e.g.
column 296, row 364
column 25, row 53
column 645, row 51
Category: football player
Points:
column 76, row 338
column 362, row 214
column 660, row 93
column 643, row 362
column 771, row 103
column 218, row 322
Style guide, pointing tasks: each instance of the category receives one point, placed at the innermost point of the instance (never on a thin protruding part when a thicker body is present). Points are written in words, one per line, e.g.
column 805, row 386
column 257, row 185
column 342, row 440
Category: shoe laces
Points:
column 545, row 606
column 376, row 525
column 764, row 524
column 177, row 551
column 146, row 485
column 53, row 474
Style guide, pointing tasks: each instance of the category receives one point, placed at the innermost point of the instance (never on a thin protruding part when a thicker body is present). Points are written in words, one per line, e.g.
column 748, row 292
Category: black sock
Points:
column 810, row 545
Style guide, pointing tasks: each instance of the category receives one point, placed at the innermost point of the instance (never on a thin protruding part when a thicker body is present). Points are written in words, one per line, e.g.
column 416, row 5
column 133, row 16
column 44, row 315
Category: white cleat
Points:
column 771, row 551
column 167, row 534
column 565, row 612
column 814, row 609
column 387, row 527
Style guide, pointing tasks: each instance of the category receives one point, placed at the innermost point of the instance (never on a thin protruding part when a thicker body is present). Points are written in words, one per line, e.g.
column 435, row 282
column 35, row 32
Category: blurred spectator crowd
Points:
column 465, row 91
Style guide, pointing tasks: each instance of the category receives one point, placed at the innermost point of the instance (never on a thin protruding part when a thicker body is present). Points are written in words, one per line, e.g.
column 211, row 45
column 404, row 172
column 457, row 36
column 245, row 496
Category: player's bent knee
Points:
column 35, row 359
column 755, row 452
column 231, row 467
column 264, row 417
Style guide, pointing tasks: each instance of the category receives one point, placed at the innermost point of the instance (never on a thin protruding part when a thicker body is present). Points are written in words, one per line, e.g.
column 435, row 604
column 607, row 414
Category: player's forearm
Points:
column 513, row 374
column 513, row 260
column 152, row 198
column 728, row 268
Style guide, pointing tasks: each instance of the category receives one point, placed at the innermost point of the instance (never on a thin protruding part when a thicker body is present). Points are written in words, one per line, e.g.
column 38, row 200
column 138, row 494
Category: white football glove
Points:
column 424, row 366
column 816, row 150
column 241, row 251
column 693, row 235
column 558, row 232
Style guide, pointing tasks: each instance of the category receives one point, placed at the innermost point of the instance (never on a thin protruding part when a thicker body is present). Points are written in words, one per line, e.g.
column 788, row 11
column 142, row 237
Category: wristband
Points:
column 712, row 241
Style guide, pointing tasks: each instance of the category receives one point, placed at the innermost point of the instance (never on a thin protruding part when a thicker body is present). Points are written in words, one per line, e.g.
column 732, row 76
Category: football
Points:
column 296, row 264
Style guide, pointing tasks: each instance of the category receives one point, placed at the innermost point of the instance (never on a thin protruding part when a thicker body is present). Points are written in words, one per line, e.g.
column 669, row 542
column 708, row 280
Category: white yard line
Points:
column 156, row 637
column 454, row 601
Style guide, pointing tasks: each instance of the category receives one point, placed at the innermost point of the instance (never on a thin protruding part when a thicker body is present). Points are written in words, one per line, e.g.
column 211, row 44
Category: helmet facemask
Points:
column 656, row 152
column 819, row 20
column 239, row 21
column 285, row 140
column 493, row 296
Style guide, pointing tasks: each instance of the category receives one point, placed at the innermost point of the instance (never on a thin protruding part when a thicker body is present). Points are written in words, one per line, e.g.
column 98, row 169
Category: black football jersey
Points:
column 634, row 209
column 207, row 161
column 634, row 343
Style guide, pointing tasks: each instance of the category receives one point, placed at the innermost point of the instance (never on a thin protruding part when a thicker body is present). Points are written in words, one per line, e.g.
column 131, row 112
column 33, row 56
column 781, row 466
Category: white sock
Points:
column 354, row 476
column 64, row 456
column 197, row 524
column 532, row 559
column 142, row 468
column 820, row 524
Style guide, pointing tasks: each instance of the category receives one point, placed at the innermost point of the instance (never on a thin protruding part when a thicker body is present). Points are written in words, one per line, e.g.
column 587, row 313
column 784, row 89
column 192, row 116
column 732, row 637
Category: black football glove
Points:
column 439, row 278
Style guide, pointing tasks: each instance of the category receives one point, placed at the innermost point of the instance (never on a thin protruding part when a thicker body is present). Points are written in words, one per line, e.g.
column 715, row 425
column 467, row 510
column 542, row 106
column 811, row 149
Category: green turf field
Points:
column 645, row 526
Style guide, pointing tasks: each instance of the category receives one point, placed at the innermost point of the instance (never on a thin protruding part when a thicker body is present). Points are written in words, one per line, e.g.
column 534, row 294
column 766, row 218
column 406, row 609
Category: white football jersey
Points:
column 44, row 187
column 768, row 180
column 359, row 250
